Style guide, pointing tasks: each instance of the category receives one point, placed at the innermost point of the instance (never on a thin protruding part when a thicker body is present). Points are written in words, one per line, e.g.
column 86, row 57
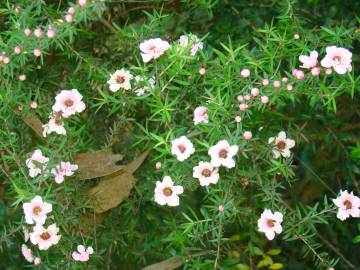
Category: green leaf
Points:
column 276, row 266
column 274, row 252
column 356, row 239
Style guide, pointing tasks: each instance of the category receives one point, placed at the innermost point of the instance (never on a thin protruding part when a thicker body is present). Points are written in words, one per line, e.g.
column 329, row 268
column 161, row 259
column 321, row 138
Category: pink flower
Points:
column 17, row 50
column 281, row 145
column 82, row 2
column 68, row 18
column 166, row 193
column 63, row 169
column 50, row 33
column 27, row 253
column 38, row 32
column 222, row 153
column 243, row 107
column 153, row 49
column 265, row 82
column 33, row 105
column 201, row 115
column 82, row 254
column 22, row 77
column 69, row 102
column 45, row 237
column 37, row 52
column 221, row 208
column 71, row 10
column 182, row 148
column 270, row 223
column 120, row 79
column 348, row 205
column 247, row 135
column 36, row 211
column 37, row 261
column 328, row 71
column 54, row 125
column 337, row 58
column 238, row 119
column 255, row 92
column 26, row 234
column 264, row 99
column 245, row 72
column 309, row 61
column 37, row 163
column 298, row 74
column 276, row 84
column 247, row 97
column 315, row 71
column 158, row 165
column 27, row 32
column 289, row 87
column 202, row 71
column 193, row 40
column 206, row 173
column 240, row 98
column 6, row 60
column 285, row 79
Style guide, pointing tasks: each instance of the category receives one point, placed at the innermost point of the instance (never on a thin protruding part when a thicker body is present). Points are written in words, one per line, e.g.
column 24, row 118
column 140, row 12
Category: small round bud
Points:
column 245, row 73
column 247, row 135
column 264, row 99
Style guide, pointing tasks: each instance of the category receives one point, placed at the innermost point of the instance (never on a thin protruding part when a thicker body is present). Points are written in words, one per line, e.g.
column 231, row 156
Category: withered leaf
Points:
column 33, row 122
column 114, row 188
column 168, row 264
column 97, row 164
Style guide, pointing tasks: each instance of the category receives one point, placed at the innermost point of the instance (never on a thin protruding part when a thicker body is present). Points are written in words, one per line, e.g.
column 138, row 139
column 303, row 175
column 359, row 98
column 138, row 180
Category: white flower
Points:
column 167, row 193
column 63, row 169
column 193, row 40
column 348, row 204
column 149, row 83
column 69, row 102
column 222, row 153
column 36, row 210
column 182, row 148
column 82, row 254
column 206, row 173
column 45, row 237
column 27, row 253
column 201, row 115
column 337, row 58
column 309, row 61
column 120, row 79
column 281, row 145
column 26, row 234
column 54, row 125
column 37, row 163
column 153, row 49
column 270, row 223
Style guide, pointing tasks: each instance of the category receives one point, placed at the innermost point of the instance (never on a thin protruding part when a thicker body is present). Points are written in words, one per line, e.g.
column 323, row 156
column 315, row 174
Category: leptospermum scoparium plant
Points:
column 225, row 123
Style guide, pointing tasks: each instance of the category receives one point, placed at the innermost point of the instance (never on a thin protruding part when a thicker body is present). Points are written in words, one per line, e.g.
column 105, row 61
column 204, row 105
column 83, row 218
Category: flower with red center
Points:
column 270, row 223
column 182, row 148
column 166, row 193
column 45, row 237
column 201, row 115
column 206, row 173
column 36, row 211
column 348, row 205
column 54, row 125
column 222, row 154
column 120, row 80
column 337, row 58
column 69, row 102
column 63, row 169
column 36, row 163
column 281, row 145
column 153, row 49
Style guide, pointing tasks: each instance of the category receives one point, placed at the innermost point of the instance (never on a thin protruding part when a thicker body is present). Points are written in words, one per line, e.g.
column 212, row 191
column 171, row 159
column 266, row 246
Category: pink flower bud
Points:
column 298, row 74
column 315, row 71
column 255, row 92
column 240, row 98
column 6, row 60
column 1, row 58
column 37, row 52
column 285, row 79
column 289, row 87
column 245, row 73
column 221, row 208
column 50, row 33
column 82, row 2
column 276, row 84
column 247, row 97
column 247, row 135
column 68, row 18
column 71, row 10
column 38, row 32
column 296, row 36
column 27, row 32
column 22, row 77
column 265, row 82
column 243, row 107
column 158, row 165
column 17, row 50
column 264, row 99
column 328, row 71
column 202, row 71
column 33, row 105
column 37, row 261
column 238, row 119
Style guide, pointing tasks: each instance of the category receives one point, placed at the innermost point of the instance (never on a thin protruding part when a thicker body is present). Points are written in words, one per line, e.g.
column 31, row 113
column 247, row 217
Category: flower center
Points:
column 223, row 153
column 348, row 204
column 120, row 79
column 281, row 145
column 270, row 222
column 206, row 172
column 45, row 236
column 181, row 148
column 152, row 47
column 57, row 122
column 167, row 191
column 69, row 102
column 337, row 60
column 37, row 210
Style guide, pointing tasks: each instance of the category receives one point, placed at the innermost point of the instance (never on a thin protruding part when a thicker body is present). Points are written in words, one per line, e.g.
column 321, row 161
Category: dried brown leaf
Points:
column 33, row 122
column 168, row 264
column 97, row 164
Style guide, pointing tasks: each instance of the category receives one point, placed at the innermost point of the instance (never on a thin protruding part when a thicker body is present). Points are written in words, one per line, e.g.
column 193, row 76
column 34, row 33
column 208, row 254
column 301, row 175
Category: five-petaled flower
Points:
column 206, row 173
column 348, row 204
column 120, row 80
column 270, row 223
column 36, row 163
column 82, row 254
column 36, row 211
column 222, row 154
column 45, row 237
column 182, row 148
column 281, row 145
column 166, row 193
column 337, row 58
column 69, row 102
column 63, row 169
column 153, row 48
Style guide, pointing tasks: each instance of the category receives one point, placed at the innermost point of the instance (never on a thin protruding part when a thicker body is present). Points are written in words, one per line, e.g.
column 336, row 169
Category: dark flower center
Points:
column 37, row 210
column 181, row 148
column 45, row 236
column 120, row 79
column 348, row 204
column 281, row 145
column 337, row 59
column 223, row 153
column 167, row 191
column 270, row 222
column 69, row 102
column 206, row 172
